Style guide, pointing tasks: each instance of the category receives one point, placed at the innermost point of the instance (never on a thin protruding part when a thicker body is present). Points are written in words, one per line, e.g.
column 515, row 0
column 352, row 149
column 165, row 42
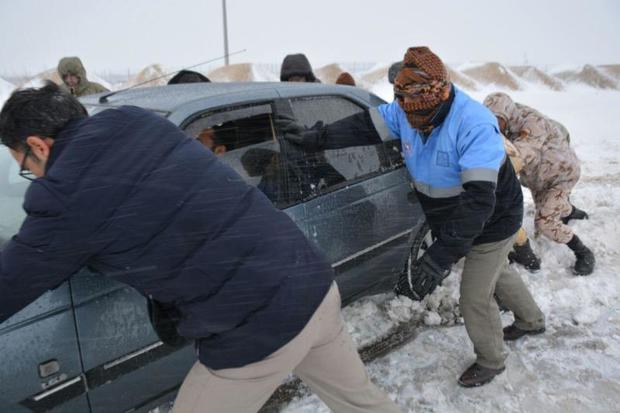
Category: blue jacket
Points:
column 463, row 178
column 465, row 183
column 130, row 195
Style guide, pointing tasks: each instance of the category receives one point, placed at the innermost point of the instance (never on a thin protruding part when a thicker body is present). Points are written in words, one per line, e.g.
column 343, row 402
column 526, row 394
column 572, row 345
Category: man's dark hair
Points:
column 43, row 112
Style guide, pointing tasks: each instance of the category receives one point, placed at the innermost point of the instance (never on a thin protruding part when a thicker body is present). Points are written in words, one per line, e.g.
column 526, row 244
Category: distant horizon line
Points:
column 368, row 64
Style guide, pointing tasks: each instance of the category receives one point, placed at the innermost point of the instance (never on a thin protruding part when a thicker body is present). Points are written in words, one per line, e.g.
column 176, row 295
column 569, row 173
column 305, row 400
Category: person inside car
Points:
column 209, row 139
column 167, row 217
column 468, row 191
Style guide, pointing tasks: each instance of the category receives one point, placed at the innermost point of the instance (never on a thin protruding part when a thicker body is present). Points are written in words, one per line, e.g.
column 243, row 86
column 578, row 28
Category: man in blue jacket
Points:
column 128, row 194
column 468, row 191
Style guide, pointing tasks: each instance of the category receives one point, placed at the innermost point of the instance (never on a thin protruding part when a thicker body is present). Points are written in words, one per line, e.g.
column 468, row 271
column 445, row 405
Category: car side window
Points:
column 329, row 170
column 244, row 138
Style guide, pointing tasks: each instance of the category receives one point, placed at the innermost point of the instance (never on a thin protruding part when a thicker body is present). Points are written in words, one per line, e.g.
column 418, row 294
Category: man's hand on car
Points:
column 424, row 277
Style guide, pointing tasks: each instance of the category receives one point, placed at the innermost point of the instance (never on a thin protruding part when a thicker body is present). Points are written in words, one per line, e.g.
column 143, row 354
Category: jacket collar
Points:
column 61, row 141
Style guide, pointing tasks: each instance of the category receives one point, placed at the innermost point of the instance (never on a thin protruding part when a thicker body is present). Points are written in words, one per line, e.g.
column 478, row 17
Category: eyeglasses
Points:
column 23, row 171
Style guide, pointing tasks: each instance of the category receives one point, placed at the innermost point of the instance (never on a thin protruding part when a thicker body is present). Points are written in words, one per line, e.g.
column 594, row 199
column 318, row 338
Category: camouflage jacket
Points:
column 542, row 143
column 74, row 66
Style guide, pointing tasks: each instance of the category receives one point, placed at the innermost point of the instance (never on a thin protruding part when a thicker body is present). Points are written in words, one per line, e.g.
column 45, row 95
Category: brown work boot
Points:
column 512, row 332
column 477, row 375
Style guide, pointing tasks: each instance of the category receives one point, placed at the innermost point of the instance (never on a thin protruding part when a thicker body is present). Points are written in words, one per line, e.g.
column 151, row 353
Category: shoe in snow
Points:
column 512, row 332
column 524, row 255
column 477, row 375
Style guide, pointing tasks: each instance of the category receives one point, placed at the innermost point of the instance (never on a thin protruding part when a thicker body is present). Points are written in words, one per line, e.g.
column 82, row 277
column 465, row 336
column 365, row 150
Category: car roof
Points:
column 170, row 97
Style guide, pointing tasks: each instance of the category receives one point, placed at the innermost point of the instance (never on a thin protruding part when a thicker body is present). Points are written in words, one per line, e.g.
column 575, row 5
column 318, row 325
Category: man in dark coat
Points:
column 257, row 298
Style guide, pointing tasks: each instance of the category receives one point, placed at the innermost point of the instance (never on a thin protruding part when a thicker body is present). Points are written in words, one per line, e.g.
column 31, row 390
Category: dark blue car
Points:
column 88, row 345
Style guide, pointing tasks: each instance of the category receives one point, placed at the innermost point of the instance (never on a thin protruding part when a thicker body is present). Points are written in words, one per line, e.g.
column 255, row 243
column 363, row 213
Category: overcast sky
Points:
column 121, row 35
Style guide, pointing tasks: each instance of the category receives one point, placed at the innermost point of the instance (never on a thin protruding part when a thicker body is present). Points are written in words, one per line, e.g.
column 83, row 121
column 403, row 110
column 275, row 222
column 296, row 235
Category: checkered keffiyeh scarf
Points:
column 424, row 78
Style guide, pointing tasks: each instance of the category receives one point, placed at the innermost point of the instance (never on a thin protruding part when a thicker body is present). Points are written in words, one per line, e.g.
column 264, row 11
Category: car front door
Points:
column 356, row 207
column 125, row 364
column 40, row 366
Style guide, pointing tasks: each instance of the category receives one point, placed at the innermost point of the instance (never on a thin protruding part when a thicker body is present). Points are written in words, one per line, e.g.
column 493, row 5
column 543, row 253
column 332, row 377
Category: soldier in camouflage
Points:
column 550, row 170
column 73, row 75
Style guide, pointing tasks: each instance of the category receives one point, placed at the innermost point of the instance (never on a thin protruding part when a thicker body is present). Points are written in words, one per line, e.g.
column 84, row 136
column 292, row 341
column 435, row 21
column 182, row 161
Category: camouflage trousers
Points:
column 551, row 206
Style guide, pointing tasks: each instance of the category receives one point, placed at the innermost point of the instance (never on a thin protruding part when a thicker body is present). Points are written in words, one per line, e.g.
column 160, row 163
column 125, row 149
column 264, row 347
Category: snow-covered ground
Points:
column 575, row 365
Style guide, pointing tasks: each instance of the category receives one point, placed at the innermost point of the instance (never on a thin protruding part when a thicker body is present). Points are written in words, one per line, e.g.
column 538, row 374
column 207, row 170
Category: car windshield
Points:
column 12, row 189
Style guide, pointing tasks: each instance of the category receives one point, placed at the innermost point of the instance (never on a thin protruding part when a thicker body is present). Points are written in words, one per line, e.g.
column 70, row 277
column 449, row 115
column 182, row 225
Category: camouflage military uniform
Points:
column 74, row 66
column 550, row 166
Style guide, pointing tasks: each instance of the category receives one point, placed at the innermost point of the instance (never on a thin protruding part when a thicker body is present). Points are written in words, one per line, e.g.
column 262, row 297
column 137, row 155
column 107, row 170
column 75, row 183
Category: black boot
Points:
column 584, row 265
column 477, row 375
column 523, row 254
column 575, row 213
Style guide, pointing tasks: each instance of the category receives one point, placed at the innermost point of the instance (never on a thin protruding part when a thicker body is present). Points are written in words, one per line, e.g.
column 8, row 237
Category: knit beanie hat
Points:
column 345, row 78
column 424, row 79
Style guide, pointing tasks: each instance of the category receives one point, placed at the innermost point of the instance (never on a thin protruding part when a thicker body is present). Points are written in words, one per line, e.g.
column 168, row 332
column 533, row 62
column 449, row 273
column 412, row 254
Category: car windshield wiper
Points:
column 104, row 98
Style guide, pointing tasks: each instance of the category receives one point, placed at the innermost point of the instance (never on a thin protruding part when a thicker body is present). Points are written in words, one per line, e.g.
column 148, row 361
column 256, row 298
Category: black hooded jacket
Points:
column 296, row 65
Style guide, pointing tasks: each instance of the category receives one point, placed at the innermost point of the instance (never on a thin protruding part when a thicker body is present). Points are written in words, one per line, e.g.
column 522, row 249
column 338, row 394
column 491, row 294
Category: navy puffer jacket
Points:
column 130, row 195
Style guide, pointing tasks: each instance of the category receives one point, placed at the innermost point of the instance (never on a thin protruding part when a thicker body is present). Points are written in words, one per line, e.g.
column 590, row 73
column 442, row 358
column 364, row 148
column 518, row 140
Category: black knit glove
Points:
column 424, row 277
column 293, row 132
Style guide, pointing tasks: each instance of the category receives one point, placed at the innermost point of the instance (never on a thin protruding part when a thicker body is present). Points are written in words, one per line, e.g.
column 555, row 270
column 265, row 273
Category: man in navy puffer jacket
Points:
column 128, row 194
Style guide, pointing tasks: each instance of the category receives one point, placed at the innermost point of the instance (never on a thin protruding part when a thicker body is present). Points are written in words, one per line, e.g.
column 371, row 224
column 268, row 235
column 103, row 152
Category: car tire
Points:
column 419, row 244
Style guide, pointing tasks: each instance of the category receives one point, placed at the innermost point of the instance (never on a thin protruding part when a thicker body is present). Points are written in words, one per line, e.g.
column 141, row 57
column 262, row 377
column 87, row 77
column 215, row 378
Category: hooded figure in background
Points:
column 74, row 80
column 296, row 68
column 188, row 76
column 550, row 170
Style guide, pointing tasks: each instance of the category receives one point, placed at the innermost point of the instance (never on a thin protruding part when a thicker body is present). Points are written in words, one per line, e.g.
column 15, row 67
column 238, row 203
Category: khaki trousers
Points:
column 486, row 273
column 323, row 355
